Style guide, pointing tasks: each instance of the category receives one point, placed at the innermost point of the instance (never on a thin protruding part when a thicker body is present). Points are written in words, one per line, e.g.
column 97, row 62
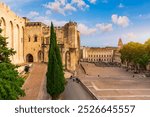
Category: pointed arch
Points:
column 12, row 34
column 3, row 26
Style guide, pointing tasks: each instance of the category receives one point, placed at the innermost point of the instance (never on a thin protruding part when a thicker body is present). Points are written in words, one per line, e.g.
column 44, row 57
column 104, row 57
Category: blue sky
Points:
column 100, row 22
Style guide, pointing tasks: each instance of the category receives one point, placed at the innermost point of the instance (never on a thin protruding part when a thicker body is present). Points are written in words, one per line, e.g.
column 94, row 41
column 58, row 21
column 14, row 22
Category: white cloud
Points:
column 85, row 30
column 80, row 4
column 104, row 27
column 130, row 35
column 92, row 1
column 65, row 6
column 69, row 7
column 48, row 21
column 33, row 14
column 57, row 6
column 121, row 5
column 120, row 20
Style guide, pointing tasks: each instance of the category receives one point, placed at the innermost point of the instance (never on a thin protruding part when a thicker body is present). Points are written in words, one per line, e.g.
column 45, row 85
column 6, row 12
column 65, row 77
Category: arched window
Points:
column 35, row 38
column 3, row 26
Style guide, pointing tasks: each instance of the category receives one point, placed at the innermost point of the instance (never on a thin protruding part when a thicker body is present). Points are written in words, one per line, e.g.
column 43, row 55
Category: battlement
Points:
column 58, row 27
column 71, row 24
column 6, row 8
column 36, row 24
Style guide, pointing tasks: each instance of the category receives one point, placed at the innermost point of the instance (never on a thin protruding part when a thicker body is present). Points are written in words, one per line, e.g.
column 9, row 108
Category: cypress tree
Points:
column 55, row 75
column 10, row 81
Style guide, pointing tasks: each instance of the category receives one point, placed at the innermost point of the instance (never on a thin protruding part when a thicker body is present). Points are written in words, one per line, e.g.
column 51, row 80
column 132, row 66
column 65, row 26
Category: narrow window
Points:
column 29, row 38
column 35, row 38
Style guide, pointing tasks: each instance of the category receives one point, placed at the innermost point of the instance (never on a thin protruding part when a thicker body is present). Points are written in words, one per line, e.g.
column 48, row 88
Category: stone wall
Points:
column 13, row 28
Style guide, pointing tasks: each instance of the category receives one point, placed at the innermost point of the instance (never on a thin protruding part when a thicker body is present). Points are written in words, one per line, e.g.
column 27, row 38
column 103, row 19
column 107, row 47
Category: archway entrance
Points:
column 40, row 56
column 29, row 58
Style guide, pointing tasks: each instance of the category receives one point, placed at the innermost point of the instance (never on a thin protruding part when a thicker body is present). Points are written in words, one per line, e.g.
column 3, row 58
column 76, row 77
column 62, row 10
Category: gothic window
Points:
column 35, row 38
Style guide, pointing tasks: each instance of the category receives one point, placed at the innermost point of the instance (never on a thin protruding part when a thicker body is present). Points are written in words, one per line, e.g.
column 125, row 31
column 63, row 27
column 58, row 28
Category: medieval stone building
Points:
column 31, row 40
column 37, row 39
column 106, row 54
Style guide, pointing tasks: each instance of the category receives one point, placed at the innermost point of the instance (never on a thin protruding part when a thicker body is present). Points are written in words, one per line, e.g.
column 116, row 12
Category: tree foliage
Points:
column 10, row 81
column 55, row 75
column 136, row 54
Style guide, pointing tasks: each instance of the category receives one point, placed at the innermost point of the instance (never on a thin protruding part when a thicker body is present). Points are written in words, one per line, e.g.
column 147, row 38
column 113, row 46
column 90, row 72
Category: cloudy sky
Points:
column 100, row 22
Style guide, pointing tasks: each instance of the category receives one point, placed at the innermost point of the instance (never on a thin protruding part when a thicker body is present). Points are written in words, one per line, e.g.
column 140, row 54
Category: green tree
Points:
column 10, row 81
column 147, row 46
column 55, row 75
column 136, row 54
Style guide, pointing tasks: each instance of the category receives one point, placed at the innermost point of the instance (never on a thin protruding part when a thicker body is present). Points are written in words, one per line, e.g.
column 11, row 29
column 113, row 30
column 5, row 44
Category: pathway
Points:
column 74, row 91
column 34, row 86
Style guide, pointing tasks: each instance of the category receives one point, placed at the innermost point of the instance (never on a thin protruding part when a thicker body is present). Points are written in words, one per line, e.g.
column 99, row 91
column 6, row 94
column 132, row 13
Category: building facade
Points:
column 37, row 39
column 31, row 40
column 13, row 28
column 106, row 54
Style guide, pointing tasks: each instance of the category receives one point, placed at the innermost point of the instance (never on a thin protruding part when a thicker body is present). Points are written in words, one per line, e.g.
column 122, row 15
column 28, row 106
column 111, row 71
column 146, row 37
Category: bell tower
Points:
column 120, row 44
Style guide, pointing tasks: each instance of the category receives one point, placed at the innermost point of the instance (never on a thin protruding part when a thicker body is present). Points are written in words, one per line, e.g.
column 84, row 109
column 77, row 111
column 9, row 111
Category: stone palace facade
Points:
column 31, row 40
column 106, row 54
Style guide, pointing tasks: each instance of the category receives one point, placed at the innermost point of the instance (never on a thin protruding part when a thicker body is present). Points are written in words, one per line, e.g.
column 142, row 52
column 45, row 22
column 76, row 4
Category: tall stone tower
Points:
column 71, row 45
column 120, row 44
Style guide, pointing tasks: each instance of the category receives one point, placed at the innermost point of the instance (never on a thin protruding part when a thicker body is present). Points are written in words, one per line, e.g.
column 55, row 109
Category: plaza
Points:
column 115, row 83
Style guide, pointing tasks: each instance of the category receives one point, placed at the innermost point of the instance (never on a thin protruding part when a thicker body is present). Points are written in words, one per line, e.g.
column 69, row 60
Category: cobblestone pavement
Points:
column 115, row 83
column 34, row 86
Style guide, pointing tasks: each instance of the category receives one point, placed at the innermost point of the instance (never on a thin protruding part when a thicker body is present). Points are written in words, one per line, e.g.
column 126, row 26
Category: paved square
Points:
column 115, row 83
